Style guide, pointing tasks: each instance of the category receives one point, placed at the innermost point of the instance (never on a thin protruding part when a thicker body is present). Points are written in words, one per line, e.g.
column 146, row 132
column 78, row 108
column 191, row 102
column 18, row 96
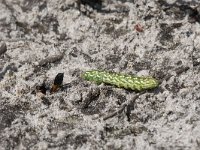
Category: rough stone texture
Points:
column 99, row 35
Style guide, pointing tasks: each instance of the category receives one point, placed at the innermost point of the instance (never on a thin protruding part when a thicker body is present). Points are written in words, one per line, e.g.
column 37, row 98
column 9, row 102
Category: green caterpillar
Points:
column 121, row 80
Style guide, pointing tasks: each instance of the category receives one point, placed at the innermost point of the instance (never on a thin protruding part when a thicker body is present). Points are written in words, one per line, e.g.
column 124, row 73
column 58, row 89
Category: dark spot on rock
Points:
column 179, row 63
column 46, row 101
column 87, row 58
column 14, row 140
column 25, row 106
column 27, row 5
column 23, row 26
column 80, row 140
column 189, row 33
column 195, row 57
column 11, row 67
column 66, row 86
column 63, row 36
column 196, row 63
column 122, row 9
column 194, row 15
column 51, row 59
column 95, row 4
column 182, row 69
column 76, row 72
column 148, row 17
column 165, row 34
column 138, row 130
column 121, row 98
column 161, row 75
column 109, row 29
column 27, row 141
column 160, row 48
column 8, row 115
column 175, row 87
column 62, row 104
column 130, row 57
column 65, row 7
column 94, row 108
column 51, row 23
column 108, row 128
column 113, row 58
column 74, row 52
column 46, row 24
column 93, row 95
column 43, row 6
column 116, row 20
column 62, row 143
column 170, row 113
column 129, row 108
column 108, row 92
column 180, row 10
column 176, row 25
column 142, row 65
column 40, row 28
column 119, row 32
column 42, row 88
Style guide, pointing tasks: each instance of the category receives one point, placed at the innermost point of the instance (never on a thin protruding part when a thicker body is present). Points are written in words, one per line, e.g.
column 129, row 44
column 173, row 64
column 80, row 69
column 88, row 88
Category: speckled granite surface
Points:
column 79, row 35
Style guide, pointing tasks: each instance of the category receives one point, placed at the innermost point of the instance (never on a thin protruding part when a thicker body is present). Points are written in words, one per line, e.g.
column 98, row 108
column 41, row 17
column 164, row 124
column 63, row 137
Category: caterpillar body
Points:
column 121, row 80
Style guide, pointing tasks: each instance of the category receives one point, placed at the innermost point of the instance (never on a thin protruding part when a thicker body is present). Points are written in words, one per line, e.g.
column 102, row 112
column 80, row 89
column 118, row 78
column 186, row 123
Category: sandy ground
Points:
column 40, row 39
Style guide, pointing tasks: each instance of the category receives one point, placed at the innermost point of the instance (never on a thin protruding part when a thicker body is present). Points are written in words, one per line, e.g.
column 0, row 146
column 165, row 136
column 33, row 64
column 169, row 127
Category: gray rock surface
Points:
column 44, row 38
